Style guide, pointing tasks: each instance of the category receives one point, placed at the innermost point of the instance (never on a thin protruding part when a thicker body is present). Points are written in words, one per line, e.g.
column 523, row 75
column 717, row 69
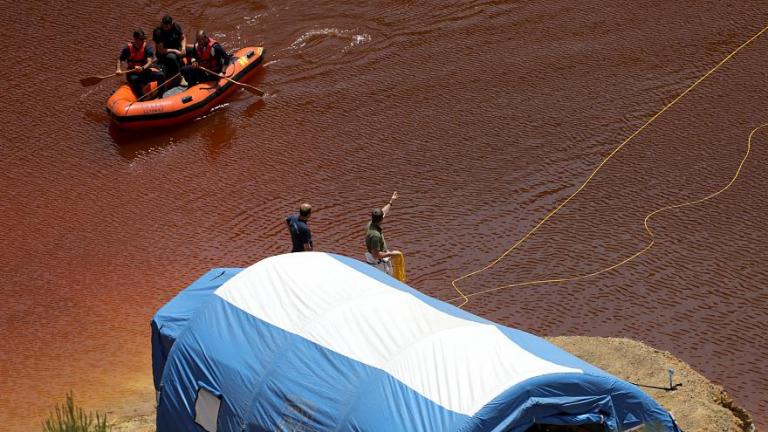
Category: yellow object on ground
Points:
column 398, row 266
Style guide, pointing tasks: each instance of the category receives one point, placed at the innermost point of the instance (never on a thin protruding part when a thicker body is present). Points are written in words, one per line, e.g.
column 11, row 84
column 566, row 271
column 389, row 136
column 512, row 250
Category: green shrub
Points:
column 69, row 418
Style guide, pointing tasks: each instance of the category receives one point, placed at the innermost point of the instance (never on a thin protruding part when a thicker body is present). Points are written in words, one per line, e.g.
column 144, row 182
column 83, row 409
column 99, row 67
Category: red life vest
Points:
column 206, row 57
column 138, row 56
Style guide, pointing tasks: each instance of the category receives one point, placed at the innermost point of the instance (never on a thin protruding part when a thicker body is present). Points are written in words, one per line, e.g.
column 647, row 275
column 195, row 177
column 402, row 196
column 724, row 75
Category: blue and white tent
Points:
column 319, row 342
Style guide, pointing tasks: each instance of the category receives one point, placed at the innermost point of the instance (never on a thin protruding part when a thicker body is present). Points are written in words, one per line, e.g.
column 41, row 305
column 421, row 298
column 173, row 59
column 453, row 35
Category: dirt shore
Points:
column 698, row 405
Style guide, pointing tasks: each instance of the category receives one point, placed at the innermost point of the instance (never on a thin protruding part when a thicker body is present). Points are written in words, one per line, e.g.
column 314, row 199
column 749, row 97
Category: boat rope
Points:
column 465, row 297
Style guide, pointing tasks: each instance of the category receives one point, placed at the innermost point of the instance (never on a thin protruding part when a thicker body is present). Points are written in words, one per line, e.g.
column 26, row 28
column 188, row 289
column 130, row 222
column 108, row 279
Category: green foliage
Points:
column 69, row 418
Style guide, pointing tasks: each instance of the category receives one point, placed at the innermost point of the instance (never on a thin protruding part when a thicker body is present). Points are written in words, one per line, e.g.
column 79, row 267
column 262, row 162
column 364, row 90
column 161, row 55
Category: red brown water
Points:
column 484, row 115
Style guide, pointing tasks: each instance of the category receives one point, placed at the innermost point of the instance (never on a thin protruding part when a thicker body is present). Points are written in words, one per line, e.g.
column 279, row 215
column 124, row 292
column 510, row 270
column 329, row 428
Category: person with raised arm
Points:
column 377, row 254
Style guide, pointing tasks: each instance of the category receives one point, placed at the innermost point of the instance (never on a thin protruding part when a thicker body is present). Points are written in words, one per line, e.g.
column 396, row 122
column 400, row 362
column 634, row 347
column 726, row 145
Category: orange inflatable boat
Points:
column 182, row 106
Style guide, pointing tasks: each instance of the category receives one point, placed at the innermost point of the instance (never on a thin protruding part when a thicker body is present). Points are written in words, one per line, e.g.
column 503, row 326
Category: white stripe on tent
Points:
column 461, row 365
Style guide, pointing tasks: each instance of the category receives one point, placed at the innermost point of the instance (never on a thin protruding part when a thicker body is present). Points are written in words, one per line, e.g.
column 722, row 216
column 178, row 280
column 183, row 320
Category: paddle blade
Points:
column 253, row 90
column 89, row 81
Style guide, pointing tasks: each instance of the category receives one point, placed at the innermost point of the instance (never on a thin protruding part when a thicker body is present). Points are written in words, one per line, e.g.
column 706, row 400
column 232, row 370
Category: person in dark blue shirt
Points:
column 206, row 53
column 301, row 236
column 137, row 57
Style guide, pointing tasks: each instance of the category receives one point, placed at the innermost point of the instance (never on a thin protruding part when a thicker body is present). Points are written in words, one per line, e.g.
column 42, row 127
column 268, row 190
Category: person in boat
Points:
column 206, row 53
column 298, row 227
column 137, row 57
column 377, row 253
column 170, row 46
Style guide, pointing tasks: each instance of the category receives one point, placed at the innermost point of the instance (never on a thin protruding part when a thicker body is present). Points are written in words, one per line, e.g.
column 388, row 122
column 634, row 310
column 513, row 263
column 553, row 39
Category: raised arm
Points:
column 387, row 207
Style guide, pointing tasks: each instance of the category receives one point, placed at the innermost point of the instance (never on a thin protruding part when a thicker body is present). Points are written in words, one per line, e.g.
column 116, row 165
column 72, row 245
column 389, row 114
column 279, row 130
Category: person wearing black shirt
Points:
column 206, row 53
column 170, row 45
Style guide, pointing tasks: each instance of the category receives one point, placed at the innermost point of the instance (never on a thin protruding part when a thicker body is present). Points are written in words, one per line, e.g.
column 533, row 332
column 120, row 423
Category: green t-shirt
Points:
column 374, row 239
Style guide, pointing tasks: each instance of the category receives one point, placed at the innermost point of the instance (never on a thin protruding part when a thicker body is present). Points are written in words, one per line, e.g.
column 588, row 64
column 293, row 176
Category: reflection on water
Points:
column 217, row 133
column 483, row 115
column 254, row 107
column 213, row 128
column 131, row 144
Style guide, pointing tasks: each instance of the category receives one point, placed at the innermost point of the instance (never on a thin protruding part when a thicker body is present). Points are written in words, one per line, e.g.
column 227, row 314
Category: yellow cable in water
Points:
column 465, row 298
column 647, row 228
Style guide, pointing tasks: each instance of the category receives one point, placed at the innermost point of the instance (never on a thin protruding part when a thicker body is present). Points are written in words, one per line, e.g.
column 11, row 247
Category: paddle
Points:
column 93, row 80
column 250, row 88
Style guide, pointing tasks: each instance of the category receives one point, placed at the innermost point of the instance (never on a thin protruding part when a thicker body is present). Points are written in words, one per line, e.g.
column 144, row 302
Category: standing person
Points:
column 298, row 226
column 137, row 55
column 170, row 45
column 377, row 253
column 206, row 53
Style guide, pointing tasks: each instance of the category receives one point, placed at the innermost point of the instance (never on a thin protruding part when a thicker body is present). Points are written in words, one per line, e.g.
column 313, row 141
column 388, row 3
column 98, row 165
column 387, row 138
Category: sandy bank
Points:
column 698, row 405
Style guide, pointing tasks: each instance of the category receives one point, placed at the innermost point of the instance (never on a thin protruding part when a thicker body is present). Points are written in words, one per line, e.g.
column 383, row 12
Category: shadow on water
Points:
column 97, row 116
column 214, row 129
column 219, row 133
column 258, row 77
column 254, row 107
column 132, row 144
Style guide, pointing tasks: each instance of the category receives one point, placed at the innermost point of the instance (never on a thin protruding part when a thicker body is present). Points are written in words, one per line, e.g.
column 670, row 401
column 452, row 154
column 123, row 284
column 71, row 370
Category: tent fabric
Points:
column 320, row 342
column 172, row 318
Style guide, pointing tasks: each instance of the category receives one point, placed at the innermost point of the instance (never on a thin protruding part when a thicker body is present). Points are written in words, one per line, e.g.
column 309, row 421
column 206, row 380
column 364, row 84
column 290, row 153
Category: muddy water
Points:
column 484, row 115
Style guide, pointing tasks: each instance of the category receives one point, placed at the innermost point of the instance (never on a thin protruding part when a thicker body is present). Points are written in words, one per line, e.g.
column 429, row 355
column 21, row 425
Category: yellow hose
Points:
column 465, row 298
